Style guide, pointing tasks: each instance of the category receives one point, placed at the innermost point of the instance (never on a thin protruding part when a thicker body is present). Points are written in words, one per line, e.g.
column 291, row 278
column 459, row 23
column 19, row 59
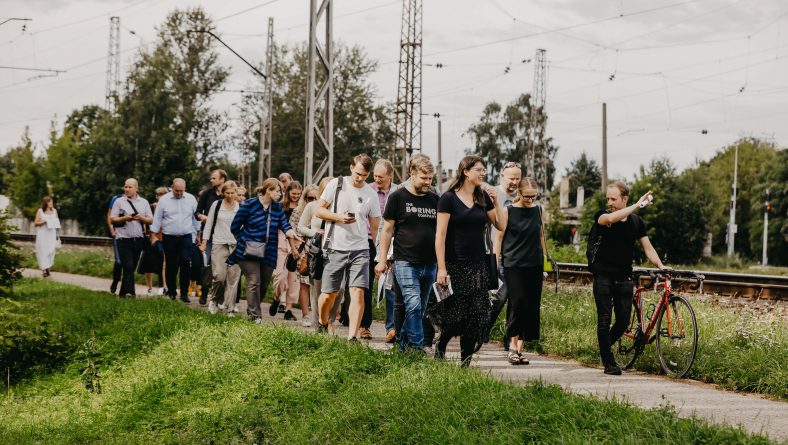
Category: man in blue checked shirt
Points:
column 176, row 217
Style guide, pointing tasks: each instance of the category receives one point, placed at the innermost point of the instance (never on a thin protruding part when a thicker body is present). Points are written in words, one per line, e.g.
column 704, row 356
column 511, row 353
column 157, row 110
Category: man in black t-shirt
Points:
column 616, row 230
column 410, row 217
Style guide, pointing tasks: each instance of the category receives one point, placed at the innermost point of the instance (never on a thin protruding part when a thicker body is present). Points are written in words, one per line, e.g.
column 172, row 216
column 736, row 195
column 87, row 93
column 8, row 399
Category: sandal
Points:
column 523, row 359
column 514, row 358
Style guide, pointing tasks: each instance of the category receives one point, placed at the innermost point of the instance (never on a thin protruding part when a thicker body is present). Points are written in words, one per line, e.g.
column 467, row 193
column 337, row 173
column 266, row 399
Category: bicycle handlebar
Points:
column 682, row 275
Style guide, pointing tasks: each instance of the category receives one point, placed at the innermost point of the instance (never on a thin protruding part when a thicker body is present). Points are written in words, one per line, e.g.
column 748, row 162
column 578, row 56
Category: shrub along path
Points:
column 755, row 414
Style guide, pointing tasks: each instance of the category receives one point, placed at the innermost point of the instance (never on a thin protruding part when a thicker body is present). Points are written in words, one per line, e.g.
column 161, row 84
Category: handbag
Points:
column 206, row 274
column 257, row 248
column 492, row 261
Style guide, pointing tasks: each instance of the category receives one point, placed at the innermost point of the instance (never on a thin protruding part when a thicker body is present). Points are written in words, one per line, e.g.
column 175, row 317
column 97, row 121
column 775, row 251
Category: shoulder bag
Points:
column 316, row 244
column 257, row 248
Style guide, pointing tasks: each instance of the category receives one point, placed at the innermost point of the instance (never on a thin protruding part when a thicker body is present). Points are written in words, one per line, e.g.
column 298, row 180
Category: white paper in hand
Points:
column 443, row 292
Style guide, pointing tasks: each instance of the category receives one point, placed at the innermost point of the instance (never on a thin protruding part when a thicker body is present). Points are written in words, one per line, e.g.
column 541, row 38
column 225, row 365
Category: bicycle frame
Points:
column 664, row 293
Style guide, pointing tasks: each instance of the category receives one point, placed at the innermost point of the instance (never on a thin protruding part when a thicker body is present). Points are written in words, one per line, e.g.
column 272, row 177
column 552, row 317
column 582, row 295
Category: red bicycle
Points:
column 671, row 323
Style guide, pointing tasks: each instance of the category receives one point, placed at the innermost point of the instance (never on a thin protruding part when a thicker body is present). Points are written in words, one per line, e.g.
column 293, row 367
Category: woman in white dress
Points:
column 47, row 224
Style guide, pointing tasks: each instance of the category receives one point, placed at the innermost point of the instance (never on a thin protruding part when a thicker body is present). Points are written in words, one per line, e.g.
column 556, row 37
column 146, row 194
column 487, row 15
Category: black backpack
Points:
column 594, row 241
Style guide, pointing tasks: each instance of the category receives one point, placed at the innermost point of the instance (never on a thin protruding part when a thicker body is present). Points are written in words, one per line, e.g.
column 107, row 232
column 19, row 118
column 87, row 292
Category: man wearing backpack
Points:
column 129, row 214
column 353, row 204
column 610, row 251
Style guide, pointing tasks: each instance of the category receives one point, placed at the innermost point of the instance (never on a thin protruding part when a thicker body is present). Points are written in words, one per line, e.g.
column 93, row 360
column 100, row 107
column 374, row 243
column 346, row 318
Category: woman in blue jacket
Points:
column 256, row 229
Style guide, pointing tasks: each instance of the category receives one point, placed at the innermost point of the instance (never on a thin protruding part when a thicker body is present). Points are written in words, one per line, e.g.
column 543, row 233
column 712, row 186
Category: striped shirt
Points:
column 251, row 224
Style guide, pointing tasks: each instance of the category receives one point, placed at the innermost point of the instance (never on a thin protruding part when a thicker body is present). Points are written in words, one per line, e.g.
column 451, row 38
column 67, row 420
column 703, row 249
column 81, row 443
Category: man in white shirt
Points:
column 129, row 214
column 346, row 249
column 176, row 217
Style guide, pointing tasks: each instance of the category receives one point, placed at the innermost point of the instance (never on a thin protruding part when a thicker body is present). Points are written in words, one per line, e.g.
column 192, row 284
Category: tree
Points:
column 164, row 126
column 360, row 124
column 676, row 225
column 505, row 135
column 775, row 179
column 583, row 172
column 28, row 183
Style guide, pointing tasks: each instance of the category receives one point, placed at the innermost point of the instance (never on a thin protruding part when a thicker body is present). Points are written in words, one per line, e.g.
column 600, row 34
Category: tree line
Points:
column 164, row 125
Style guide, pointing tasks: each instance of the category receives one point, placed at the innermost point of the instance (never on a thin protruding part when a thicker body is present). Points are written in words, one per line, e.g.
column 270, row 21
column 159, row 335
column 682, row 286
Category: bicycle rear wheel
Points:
column 677, row 337
column 627, row 348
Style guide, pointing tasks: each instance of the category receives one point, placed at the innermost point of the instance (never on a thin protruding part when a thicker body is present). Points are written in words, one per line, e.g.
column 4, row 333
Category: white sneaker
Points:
column 236, row 310
column 258, row 321
column 222, row 307
column 212, row 307
column 306, row 322
column 151, row 292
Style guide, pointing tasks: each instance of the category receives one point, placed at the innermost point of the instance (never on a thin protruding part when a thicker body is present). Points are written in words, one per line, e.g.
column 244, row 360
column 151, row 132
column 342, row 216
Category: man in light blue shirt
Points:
column 176, row 217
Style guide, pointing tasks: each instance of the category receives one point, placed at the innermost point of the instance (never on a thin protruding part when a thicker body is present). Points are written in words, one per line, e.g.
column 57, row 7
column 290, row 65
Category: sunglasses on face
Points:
column 311, row 198
column 511, row 164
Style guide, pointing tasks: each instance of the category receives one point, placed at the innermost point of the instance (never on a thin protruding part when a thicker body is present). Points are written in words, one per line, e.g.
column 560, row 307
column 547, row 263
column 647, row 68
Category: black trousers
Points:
column 178, row 251
column 499, row 301
column 129, row 250
column 611, row 295
column 525, row 300
column 366, row 318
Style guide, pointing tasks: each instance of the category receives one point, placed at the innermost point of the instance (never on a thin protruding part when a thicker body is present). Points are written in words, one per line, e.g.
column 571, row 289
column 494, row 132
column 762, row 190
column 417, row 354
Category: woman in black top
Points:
column 523, row 267
column 463, row 214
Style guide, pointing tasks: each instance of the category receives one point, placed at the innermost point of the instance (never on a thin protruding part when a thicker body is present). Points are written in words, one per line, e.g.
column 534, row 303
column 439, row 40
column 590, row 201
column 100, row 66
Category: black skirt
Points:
column 467, row 311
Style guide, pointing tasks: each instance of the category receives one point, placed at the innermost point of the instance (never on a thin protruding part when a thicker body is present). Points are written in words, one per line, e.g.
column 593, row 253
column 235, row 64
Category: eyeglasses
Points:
column 511, row 165
column 311, row 198
column 479, row 169
column 529, row 196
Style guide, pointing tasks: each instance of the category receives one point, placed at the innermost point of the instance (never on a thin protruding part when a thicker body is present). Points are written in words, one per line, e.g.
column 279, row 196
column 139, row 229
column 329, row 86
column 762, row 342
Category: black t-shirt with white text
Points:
column 617, row 248
column 466, row 230
column 414, row 219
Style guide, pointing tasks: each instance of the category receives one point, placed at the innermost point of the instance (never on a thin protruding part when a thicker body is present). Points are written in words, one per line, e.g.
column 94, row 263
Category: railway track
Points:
column 771, row 287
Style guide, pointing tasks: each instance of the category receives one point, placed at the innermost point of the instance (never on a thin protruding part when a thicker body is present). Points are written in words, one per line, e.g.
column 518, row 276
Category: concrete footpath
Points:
column 753, row 413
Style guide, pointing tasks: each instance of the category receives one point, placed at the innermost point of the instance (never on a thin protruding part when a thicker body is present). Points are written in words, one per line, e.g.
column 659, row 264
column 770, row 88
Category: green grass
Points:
column 174, row 375
column 735, row 350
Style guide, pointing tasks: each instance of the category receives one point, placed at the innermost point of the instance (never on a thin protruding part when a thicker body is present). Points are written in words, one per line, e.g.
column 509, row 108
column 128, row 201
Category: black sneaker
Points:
column 203, row 299
column 273, row 308
column 185, row 299
column 322, row 328
column 113, row 287
column 281, row 308
column 612, row 369
column 289, row 316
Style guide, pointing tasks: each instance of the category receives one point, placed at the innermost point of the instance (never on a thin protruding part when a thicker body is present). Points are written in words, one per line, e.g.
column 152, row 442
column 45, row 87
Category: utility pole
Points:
column 604, row 147
column 113, row 65
column 767, row 208
column 407, row 124
column 539, row 122
column 264, row 157
column 440, row 160
column 320, row 94
column 732, row 229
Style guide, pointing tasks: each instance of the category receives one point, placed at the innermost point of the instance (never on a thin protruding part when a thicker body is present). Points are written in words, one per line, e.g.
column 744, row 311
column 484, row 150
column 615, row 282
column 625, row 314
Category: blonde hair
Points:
column 302, row 202
column 525, row 183
column 422, row 164
column 227, row 185
column 161, row 191
column 268, row 184
column 322, row 185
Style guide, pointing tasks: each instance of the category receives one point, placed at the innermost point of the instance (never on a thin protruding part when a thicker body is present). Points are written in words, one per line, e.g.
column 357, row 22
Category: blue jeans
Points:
column 389, row 293
column 415, row 282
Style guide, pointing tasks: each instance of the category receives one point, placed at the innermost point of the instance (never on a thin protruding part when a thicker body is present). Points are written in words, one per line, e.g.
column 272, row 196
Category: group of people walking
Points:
column 445, row 263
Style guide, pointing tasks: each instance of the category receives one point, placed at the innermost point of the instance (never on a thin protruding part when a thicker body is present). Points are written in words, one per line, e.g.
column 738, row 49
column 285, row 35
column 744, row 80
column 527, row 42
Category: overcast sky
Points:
column 678, row 66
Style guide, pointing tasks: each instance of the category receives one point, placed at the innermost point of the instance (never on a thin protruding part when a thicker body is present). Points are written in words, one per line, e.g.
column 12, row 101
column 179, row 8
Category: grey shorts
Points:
column 353, row 265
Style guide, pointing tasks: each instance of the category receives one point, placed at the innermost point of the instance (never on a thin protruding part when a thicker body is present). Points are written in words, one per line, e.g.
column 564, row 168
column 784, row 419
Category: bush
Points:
column 10, row 259
column 27, row 343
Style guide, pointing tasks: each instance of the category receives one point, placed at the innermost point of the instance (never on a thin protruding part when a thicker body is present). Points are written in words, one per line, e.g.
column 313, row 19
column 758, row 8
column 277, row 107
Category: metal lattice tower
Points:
column 537, row 162
column 113, row 64
column 266, row 119
column 320, row 94
column 408, row 109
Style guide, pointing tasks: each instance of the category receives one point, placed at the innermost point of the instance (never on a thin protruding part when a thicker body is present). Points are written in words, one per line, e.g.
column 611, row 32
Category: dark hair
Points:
column 467, row 163
column 222, row 173
column 364, row 160
column 45, row 201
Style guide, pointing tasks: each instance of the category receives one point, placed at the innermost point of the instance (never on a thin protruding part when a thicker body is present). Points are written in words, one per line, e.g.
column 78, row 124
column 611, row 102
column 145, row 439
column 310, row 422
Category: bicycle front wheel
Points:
column 677, row 337
column 627, row 348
